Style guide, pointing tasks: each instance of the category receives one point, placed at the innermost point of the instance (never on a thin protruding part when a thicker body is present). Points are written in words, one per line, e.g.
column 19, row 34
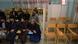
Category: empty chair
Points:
column 72, row 31
column 61, row 30
column 50, row 31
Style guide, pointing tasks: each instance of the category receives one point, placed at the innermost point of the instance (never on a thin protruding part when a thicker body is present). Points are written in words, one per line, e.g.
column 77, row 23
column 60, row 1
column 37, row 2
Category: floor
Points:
column 44, row 42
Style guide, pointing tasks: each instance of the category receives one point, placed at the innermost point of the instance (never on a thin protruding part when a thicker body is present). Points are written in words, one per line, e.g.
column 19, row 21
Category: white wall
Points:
column 54, row 10
column 57, row 10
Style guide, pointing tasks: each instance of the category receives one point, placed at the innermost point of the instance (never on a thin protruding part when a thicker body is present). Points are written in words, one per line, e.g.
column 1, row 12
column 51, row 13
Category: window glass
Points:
column 63, row 2
column 55, row 1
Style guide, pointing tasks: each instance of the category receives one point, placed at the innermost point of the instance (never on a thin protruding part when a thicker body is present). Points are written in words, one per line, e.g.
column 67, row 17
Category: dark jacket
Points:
column 11, row 35
column 26, row 16
column 13, row 14
column 13, row 25
column 0, row 24
column 35, row 27
column 19, row 15
column 2, row 15
column 24, row 25
column 7, row 25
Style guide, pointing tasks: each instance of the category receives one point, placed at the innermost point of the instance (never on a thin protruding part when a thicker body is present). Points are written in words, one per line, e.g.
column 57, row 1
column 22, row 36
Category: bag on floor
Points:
column 10, row 36
column 2, row 35
column 35, row 38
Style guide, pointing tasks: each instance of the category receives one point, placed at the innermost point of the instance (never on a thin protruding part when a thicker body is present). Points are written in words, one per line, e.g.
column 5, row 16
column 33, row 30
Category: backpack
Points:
column 35, row 38
column 2, row 35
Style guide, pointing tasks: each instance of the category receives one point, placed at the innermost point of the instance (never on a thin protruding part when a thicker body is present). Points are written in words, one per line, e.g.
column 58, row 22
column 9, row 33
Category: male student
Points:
column 35, row 36
column 12, row 30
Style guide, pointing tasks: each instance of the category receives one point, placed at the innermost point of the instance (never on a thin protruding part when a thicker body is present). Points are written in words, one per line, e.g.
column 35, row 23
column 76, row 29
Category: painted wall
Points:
column 54, row 10
column 23, row 3
column 5, row 4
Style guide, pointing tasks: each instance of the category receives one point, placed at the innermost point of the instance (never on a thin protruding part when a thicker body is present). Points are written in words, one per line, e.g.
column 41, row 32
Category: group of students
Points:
column 21, row 24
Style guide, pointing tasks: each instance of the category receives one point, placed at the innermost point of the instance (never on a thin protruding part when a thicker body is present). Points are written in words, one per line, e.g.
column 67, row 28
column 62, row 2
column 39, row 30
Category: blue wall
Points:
column 55, row 1
column 6, row 4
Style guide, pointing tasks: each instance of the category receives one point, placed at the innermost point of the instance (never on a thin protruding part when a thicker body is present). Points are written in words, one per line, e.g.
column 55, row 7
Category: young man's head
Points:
column 33, row 21
column 35, row 10
column 19, row 9
column 16, row 20
column 13, row 9
column 2, row 20
column 12, row 19
column 13, row 13
column 22, row 20
column 8, row 20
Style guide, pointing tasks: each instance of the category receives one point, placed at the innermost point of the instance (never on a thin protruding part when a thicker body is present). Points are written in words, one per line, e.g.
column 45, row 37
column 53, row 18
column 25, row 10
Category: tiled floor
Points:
column 45, row 42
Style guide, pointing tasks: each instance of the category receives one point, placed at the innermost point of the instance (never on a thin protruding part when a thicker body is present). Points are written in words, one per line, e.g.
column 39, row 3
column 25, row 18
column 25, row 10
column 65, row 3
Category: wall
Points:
column 23, row 3
column 5, row 4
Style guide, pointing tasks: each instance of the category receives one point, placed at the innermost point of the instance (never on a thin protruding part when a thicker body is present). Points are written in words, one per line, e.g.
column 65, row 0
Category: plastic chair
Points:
column 73, row 33
column 50, row 31
column 61, row 30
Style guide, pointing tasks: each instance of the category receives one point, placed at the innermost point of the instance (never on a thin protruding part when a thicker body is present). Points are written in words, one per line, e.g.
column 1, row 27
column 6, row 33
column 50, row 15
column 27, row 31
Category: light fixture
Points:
column 63, row 2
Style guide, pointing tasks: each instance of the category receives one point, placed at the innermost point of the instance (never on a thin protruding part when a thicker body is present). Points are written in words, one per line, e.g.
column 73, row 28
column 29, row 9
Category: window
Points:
column 63, row 2
column 54, row 1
